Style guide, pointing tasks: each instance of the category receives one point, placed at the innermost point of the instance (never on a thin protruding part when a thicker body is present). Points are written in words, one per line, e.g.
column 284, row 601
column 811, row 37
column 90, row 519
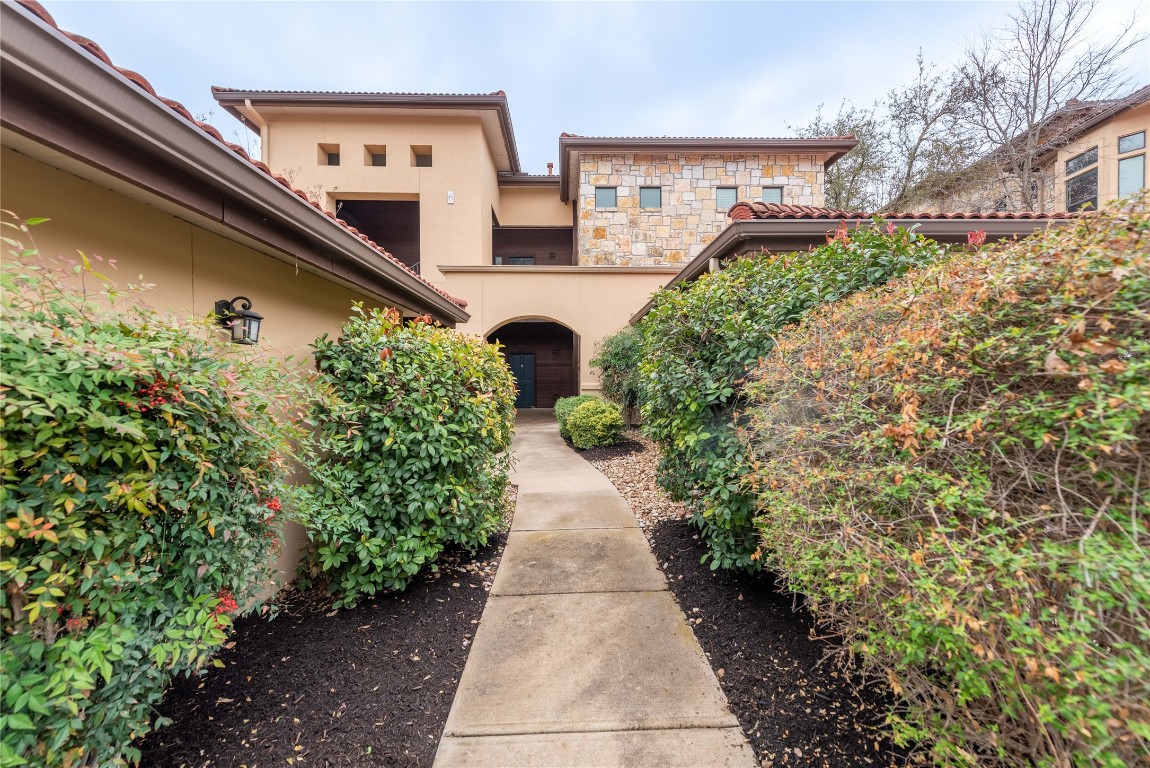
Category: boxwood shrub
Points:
column 564, row 407
column 954, row 470
column 143, row 475
column 699, row 343
column 413, row 424
column 595, row 423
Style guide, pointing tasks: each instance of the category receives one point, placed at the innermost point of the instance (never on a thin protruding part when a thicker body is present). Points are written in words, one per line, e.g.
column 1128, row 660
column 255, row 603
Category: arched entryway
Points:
column 544, row 356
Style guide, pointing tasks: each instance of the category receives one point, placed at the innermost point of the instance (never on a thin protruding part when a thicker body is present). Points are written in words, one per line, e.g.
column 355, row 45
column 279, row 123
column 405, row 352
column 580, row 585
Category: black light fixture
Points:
column 237, row 315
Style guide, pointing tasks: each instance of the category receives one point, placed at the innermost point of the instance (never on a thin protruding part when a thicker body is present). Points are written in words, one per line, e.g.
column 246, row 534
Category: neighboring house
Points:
column 758, row 227
column 1089, row 152
column 129, row 176
column 550, row 263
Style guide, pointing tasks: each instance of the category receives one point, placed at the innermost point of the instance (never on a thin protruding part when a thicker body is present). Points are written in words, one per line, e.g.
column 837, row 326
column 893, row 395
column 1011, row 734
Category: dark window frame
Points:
column 1079, row 202
column 720, row 190
column 1141, row 146
column 1082, row 161
column 763, row 198
column 614, row 197
column 1118, row 181
column 658, row 191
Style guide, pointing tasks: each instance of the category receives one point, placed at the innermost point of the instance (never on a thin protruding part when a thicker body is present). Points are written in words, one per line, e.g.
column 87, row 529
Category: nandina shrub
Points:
column 565, row 406
column 953, row 470
column 411, row 445
column 699, row 343
column 142, row 475
column 595, row 423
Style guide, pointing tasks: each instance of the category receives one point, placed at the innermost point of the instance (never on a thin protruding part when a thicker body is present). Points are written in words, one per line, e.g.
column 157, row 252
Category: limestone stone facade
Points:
column 689, row 216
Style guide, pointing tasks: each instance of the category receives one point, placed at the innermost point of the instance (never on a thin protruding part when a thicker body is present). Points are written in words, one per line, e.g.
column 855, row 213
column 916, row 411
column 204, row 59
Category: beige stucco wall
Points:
column 689, row 217
column 593, row 302
column 1105, row 137
column 458, row 232
column 538, row 206
column 190, row 267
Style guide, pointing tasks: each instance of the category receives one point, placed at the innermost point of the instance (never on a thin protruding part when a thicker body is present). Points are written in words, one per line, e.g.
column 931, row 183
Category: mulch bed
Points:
column 368, row 686
column 796, row 706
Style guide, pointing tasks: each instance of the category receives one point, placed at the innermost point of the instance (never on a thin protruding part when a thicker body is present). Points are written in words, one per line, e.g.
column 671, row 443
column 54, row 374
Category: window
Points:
column 773, row 195
column 650, row 197
column 516, row 261
column 1132, row 143
column 375, row 154
column 421, row 155
column 1078, row 162
column 1131, row 175
column 329, row 154
column 725, row 197
column 1082, row 190
column 605, row 197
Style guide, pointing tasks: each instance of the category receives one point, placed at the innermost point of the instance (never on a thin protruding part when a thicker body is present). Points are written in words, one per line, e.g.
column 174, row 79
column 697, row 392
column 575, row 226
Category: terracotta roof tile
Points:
column 743, row 211
column 142, row 83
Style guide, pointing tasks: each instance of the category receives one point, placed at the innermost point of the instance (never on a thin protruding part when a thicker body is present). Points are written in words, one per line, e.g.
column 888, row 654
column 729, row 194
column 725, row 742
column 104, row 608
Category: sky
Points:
column 590, row 68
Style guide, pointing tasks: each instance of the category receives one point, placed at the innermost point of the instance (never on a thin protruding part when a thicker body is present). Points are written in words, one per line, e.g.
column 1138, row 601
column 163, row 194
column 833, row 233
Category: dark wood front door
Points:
column 523, row 369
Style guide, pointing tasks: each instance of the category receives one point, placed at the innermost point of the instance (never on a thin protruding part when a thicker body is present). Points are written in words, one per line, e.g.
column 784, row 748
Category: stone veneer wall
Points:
column 689, row 218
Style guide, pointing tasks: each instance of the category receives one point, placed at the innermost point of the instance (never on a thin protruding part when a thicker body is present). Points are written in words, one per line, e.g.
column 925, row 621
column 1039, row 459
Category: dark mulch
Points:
column 797, row 707
column 369, row 686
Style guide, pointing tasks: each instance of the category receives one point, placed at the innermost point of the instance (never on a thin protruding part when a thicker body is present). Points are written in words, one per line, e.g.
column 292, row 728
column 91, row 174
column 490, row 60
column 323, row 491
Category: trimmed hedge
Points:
column 953, row 470
column 700, row 342
column 143, row 470
column 565, row 406
column 413, row 427
column 595, row 423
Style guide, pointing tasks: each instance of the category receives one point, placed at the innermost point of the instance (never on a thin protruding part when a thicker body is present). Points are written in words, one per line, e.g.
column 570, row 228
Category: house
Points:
column 550, row 264
column 1089, row 152
column 125, row 174
column 782, row 228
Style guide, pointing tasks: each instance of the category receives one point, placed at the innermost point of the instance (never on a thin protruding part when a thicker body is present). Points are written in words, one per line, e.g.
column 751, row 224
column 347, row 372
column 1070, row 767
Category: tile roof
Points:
column 742, row 211
column 565, row 135
column 140, row 81
column 224, row 89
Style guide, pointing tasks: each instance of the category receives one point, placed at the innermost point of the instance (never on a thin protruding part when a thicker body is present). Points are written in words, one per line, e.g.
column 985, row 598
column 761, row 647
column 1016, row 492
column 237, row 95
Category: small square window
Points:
column 421, row 155
column 1132, row 143
column 375, row 154
column 329, row 154
column 1078, row 162
column 726, row 197
column 773, row 195
column 650, row 197
column 605, row 197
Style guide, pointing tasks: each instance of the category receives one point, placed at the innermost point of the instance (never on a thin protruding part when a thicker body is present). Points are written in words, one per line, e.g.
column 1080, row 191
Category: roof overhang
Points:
column 253, row 108
column 570, row 147
column 785, row 235
column 41, row 63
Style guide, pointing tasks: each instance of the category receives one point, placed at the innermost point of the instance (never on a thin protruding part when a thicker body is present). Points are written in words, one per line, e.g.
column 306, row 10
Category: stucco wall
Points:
column 190, row 267
column 689, row 217
column 537, row 206
column 1105, row 137
column 592, row 303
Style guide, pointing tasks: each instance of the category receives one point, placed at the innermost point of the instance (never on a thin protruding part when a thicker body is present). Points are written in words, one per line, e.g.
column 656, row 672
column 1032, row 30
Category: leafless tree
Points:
column 1017, row 78
column 858, row 181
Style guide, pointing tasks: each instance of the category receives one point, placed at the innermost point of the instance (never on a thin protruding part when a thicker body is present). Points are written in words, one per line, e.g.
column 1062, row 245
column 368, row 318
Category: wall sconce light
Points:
column 238, row 316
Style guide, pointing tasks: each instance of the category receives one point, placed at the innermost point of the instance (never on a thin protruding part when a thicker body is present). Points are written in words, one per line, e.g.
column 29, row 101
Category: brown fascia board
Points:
column 231, row 100
column 41, row 61
column 752, row 234
column 523, row 180
column 834, row 148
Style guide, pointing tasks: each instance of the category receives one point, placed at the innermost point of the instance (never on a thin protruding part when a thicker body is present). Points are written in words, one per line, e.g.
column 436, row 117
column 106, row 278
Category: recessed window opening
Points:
column 375, row 154
column 1079, row 162
column 606, row 197
column 1131, row 174
column 725, row 197
column 421, row 155
column 650, row 197
column 1082, row 190
column 773, row 195
column 1132, row 143
column 516, row 261
column 329, row 154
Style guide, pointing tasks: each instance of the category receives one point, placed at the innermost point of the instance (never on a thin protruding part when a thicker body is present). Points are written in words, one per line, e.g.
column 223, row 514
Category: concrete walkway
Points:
column 582, row 657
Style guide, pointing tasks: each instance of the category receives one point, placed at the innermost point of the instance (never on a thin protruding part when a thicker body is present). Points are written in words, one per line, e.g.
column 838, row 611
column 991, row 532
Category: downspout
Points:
column 263, row 126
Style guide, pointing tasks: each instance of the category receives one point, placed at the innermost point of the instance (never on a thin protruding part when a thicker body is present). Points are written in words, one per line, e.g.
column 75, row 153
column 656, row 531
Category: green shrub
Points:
column 142, row 470
column 412, row 434
column 595, row 423
column 564, row 407
column 698, row 344
column 953, row 470
column 618, row 357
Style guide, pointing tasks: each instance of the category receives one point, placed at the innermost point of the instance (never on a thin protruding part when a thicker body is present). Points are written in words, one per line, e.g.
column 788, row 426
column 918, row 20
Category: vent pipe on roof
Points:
column 551, row 169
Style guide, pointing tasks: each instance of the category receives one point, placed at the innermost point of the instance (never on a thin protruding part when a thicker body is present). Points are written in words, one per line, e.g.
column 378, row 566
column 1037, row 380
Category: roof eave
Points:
column 43, row 59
